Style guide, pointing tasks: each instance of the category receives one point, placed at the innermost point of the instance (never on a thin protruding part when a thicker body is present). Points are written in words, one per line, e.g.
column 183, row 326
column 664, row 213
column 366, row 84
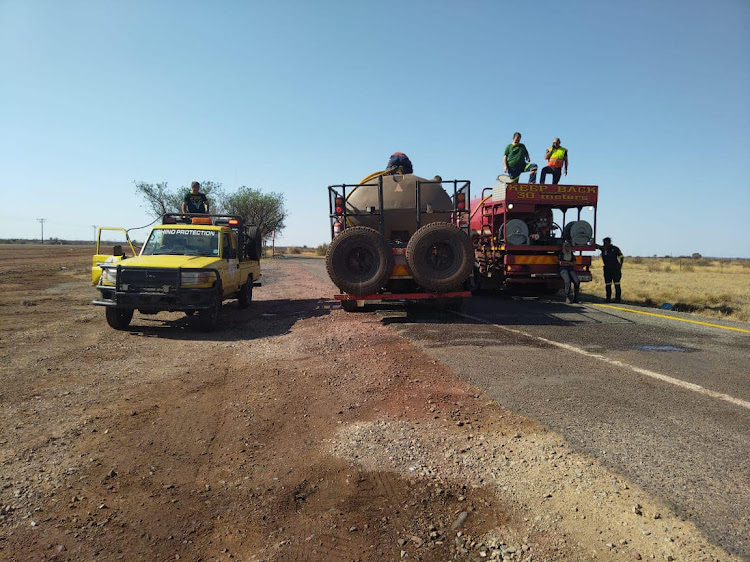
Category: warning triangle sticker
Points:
column 398, row 188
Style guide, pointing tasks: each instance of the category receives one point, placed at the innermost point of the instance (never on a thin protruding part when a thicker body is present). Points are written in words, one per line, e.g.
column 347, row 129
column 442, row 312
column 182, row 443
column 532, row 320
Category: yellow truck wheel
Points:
column 246, row 294
column 209, row 317
column 119, row 318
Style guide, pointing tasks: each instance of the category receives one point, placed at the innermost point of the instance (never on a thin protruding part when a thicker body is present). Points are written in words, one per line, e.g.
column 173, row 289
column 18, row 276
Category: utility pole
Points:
column 94, row 227
column 42, row 221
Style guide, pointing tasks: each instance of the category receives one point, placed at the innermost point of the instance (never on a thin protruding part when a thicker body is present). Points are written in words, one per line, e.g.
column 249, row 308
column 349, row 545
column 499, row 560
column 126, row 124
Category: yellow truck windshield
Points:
column 182, row 242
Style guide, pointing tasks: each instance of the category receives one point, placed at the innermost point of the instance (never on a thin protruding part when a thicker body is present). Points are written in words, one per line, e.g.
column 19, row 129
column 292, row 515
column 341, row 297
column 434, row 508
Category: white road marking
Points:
column 654, row 375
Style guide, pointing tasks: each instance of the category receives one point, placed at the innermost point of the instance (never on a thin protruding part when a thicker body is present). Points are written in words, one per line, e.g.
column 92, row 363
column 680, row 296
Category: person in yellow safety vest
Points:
column 557, row 162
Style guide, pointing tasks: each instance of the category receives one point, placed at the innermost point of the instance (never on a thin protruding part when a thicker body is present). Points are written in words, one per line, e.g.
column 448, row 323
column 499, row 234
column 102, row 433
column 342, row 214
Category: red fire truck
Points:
column 517, row 230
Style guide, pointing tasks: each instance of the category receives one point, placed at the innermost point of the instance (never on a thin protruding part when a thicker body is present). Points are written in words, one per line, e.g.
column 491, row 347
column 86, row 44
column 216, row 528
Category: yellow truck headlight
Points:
column 109, row 276
column 196, row 278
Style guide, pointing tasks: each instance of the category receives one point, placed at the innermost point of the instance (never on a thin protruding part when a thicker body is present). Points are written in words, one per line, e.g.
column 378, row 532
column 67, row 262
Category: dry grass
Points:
column 718, row 288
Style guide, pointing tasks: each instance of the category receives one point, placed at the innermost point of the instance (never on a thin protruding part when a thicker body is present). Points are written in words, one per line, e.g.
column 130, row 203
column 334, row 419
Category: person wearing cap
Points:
column 612, row 258
column 516, row 160
column 557, row 162
column 195, row 202
column 399, row 160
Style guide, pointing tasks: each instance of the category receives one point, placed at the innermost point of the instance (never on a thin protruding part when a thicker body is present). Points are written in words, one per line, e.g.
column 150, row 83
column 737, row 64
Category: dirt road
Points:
column 294, row 432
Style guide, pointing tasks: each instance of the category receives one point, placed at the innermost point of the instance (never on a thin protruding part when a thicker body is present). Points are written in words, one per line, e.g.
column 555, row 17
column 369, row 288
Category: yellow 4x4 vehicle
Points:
column 188, row 263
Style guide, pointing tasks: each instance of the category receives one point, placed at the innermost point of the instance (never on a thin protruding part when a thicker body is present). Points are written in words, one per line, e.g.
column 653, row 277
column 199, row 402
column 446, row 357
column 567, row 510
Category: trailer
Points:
column 399, row 237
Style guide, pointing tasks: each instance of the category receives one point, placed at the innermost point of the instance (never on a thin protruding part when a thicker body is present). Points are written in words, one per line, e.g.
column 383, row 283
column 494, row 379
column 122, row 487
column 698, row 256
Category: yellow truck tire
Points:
column 209, row 317
column 119, row 318
column 245, row 295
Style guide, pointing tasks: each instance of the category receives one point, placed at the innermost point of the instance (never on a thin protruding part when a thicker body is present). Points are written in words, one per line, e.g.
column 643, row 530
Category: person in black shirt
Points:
column 195, row 202
column 612, row 258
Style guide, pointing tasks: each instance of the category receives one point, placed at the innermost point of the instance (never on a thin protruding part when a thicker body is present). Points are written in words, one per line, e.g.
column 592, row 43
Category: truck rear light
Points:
column 461, row 201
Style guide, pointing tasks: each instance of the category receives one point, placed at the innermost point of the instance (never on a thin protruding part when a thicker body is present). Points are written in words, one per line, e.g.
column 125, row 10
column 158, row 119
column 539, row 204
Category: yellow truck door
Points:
column 229, row 253
column 111, row 254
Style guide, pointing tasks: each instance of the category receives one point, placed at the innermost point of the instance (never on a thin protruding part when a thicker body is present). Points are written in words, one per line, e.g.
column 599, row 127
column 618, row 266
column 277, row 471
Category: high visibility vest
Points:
column 557, row 157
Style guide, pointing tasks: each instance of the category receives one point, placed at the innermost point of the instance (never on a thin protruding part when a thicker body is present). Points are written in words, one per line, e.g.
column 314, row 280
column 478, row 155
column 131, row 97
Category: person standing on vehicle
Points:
column 612, row 258
column 399, row 159
column 195, row 202
column 567, row 260
column 557, row 162
column 516, row 160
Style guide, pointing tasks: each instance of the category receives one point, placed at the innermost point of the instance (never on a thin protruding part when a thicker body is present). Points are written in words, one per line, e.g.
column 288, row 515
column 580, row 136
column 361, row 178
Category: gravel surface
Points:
column 294, row 432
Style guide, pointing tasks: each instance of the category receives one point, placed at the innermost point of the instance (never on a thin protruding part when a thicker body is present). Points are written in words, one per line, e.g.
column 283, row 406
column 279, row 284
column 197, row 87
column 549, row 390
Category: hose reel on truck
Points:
column 578, row 233
column 516, row 232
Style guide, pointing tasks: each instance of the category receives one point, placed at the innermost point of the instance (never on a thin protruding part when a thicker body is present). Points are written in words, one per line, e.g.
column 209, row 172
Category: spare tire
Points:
column 359, row 261
column 440, row 256
column 253, row 243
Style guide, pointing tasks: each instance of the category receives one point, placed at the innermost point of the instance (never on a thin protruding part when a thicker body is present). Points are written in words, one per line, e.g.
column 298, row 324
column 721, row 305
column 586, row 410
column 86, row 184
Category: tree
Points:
column 160, row 199
column 265, row 210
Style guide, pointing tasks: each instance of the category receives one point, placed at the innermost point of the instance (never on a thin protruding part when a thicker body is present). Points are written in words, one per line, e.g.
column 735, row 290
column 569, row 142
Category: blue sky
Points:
column 652, row 98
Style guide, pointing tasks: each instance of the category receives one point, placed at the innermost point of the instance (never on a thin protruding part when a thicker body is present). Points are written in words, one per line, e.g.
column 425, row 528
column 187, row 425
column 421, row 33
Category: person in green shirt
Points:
column 517, row 160
column 195, row 202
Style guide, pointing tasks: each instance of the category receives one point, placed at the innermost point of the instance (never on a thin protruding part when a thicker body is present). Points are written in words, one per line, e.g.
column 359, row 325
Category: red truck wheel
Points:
column 359, row 261
column 440, row 256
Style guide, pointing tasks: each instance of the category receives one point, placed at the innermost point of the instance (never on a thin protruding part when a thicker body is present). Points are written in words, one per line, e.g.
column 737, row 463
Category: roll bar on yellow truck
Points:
column 189, row 263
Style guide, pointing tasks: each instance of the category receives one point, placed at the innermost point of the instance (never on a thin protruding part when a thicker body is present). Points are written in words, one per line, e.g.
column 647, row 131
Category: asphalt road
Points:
column 661, row 400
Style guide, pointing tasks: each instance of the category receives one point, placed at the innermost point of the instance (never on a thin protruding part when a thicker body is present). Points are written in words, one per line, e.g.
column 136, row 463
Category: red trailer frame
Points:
column 534, row 263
